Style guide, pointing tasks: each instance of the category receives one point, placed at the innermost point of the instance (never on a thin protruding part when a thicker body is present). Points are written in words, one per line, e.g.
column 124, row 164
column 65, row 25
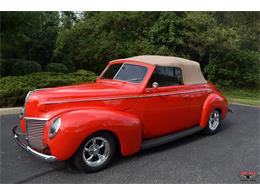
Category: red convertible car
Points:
column 136, row 103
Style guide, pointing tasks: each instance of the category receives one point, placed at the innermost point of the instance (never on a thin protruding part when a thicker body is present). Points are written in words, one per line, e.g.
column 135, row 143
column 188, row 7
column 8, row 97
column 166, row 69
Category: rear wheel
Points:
column 213, row 123
column 96, row 152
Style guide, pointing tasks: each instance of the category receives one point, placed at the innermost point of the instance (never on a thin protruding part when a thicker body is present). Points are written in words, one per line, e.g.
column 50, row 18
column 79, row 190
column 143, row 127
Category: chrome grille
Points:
column 35, row 129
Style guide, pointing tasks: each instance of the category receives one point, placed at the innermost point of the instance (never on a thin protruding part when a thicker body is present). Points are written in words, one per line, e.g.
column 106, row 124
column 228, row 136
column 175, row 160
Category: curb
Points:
column 7, row 111
column 247, row 105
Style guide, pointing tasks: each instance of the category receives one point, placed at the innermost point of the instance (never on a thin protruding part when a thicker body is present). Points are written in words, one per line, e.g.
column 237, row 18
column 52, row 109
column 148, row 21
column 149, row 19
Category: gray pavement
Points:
column 194, row 159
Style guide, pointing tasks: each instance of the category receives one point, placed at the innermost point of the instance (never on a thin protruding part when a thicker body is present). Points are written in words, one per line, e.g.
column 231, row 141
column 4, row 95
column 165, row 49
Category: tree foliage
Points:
column 29, row 35
column 225, row 43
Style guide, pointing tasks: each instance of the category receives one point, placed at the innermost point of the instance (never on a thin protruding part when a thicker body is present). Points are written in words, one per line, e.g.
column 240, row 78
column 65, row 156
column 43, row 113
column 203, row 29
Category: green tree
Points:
column 225, row 43
column 29, row 35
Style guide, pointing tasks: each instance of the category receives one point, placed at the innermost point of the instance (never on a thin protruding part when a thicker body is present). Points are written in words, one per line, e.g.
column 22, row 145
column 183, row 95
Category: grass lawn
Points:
column 243, row 96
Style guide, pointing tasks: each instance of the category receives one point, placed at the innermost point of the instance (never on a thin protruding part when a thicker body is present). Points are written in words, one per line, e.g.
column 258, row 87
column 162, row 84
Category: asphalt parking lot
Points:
column 194, row 159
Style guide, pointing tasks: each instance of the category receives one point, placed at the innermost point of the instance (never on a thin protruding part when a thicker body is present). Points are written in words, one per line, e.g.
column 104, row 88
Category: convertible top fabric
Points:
column 191, row 71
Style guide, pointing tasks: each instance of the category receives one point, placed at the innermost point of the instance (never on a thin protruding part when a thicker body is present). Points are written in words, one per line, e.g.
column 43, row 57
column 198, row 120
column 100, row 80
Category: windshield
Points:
column 125, row 72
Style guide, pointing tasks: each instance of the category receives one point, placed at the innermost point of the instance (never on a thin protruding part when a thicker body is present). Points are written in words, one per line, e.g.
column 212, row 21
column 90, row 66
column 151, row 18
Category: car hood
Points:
column 47, row 103
column 81, row 92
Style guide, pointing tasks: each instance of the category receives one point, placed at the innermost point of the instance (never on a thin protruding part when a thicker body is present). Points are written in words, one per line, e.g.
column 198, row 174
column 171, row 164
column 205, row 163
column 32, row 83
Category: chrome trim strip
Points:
column 45, row 157
column 27, row 96
column 35, row 118
column 129, row 97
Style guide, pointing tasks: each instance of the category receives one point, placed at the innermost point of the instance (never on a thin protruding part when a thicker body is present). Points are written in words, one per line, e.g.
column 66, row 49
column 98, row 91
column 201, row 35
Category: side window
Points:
column 166, row 76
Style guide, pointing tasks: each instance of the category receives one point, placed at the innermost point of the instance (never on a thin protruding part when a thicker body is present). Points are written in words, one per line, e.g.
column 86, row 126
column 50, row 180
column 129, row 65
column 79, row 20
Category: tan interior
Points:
column 191, row 71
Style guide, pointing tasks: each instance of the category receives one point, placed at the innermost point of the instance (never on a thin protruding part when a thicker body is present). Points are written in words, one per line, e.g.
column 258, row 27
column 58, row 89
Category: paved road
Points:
column 194, row 159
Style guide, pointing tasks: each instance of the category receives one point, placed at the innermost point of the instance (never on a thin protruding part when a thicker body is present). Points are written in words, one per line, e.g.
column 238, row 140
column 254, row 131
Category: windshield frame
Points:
column 122, row 64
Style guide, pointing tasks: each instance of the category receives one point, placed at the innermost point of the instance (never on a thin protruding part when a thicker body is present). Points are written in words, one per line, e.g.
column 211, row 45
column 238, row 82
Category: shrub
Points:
column 56, row 67
column 235, row 69
column 84, row 73
column 16, row 67
column 13, row 89
column 23, row 67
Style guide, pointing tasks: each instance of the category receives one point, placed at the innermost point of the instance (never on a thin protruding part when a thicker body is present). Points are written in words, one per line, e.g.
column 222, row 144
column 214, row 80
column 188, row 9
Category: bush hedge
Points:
column 18, row 67
column 13, row 89
column 235, row 69
column 23, row 67
column 56, row 67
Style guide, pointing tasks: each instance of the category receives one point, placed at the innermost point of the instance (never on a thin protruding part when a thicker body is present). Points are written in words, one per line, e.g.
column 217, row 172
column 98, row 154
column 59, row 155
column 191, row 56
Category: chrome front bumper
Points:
column 39, row 155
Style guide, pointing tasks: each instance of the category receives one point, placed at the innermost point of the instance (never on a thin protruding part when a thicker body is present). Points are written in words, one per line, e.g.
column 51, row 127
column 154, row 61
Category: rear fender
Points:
column 213, row 101
column 77, row 125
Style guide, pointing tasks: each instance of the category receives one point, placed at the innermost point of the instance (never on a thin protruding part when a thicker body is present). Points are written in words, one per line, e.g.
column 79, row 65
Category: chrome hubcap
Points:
column 96, row 151
column 214, row 120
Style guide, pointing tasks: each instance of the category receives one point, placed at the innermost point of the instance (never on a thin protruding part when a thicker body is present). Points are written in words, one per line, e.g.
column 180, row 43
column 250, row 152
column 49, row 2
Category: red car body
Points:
column 130, row 111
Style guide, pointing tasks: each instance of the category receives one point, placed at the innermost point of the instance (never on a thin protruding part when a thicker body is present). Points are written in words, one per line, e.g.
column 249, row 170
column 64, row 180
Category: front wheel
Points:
column 96, row 152
column 214, row 122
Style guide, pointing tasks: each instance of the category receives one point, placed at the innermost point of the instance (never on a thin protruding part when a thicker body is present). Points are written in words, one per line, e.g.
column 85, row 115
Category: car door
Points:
column 166, row 109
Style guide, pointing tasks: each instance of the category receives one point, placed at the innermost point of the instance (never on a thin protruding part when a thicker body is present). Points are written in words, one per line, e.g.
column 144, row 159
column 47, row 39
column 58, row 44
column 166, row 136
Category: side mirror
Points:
column 155, row 85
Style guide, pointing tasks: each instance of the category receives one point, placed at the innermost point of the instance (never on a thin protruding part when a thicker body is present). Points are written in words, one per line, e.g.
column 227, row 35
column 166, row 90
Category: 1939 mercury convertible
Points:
column 136, row 103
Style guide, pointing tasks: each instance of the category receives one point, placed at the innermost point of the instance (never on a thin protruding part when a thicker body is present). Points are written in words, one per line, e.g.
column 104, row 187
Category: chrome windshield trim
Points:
column 129, row 97
column 118, row 71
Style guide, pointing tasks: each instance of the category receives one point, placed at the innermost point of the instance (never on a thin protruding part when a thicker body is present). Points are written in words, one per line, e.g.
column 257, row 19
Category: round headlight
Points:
column 55, row 126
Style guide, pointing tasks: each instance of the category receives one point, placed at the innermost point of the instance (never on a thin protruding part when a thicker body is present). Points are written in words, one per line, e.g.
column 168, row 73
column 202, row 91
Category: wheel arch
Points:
column 78, row 125
column 213, row 101
column 117, row 140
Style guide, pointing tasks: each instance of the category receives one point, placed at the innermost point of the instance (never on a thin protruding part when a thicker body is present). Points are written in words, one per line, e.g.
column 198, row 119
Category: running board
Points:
column 150, row 143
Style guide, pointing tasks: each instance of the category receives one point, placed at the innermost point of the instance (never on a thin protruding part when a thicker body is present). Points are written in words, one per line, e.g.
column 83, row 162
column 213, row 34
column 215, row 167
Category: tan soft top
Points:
column 191, row 71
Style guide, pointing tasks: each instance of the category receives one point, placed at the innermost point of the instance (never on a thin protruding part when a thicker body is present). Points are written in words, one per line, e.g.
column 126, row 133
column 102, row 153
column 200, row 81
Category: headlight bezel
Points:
column 54, row 127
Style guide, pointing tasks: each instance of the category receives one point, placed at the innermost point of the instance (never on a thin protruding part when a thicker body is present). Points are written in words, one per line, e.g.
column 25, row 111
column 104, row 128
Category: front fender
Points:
column 213, row 101
column 79, row 124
